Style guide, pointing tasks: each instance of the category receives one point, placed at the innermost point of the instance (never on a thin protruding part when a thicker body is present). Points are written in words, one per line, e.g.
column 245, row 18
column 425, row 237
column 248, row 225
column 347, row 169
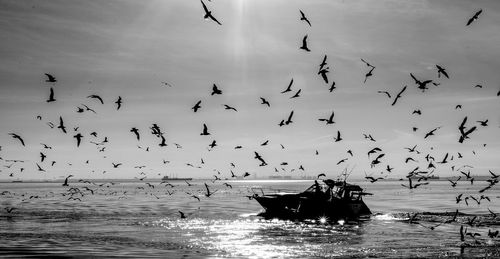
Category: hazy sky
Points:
column 127, row 48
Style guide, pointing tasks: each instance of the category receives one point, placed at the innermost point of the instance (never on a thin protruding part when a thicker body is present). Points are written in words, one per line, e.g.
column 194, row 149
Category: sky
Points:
column 128, row 48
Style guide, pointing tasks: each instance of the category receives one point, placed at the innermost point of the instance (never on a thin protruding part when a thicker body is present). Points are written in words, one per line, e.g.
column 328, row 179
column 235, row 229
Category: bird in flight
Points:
column 215, row 90
column 61, row 125
column 136, row 132
column 264, row 101
column 258, row 157
column 50, row 78
column 119, row 102
column 431, row 133
column 304, row 44
column 289, row 120
column 227, row 107
column 329, row 120
column 208, row 14
column 421, row 84
column 289, row 88
column 442, row 71
column 51, row 96
column 474, row 17
column 338, row 137
column 196, row 106
column 385, row 92
column 14, row 135
column 209, row 193
column 398, row 95
column 78, row 139
column 297, row 94
column 66, row 180
column 304, row 18
column 370, row 73
column 95, row 96
column 205, row 130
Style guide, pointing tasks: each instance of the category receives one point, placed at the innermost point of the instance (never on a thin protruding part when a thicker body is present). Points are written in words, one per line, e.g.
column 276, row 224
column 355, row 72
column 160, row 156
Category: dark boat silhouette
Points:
column 332, row 200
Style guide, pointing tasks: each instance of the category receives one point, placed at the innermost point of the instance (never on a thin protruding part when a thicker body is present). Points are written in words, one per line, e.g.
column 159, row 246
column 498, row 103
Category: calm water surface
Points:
column 139, row 220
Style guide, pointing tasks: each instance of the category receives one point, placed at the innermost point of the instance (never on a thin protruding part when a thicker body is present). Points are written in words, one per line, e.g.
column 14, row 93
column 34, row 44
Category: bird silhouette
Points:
column 50, row 78
column 297, row 94
column 89, row 109
column 209, row 193
column 196, row 106
column 78, row 137
column 40, row 169
column 208, row 14
column 42, row 157
column 14, row 135
column 367, row 64
column 213, row 144
column 205, row 130
column 385, row 92
column 118, row 103
column 328, row 120
column 422, row 85
column 338, row 137
column 441, row 71
column 258, row 157
column 289, row 88
column 483, row 123
column 398, row 95
column 413, row 186
column 431, row 133
column 163, row 142
column 265, row 102
column 265, row 143
column 304, row 18
column 183, row 216
column 51, row 96
column 116, row 165
column 324, row 74
column 323, row 63
column 304, row 44
column 215, row 90
column 418, row 112
column 289, row 120
column 369, row 74
column 61, row 125
column 95, row 96
column 136, row 132
column 66, row 180
column 332, row 87
column 474, row 17
column 227, row 107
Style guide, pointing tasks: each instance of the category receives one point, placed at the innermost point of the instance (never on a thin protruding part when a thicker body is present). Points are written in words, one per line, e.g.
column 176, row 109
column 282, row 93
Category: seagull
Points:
column 323, row 63
column 289, row 120
column 421, row 85
column 205, row 130
column 136, row 132
column 323, row 72
column 116, row 165
column 264, row 101
column 42, row 157
column 208, row 194
column 78, row 139
column 304, row 18
column 265, row 143
column 89, row 109
column 215, row 90
column 289, row 88
column 208, row 14
column 95, row 96
column 304, row 44
column 61, row 125
column 119, row 103
column 338, row 138
column 51, row 96
column 398, row 95
column 213, row 144
column 227, row 107
column 296, row 94
column 14, row 135
column 50, row 78
column 385, row 92
column 196, row 106
column 483, row 123
column 183, row 216
column 370, row 73
column 66, row 180
column 431, row 133
column 367, row 64
column 441, row 71
column 329, row 120
column 40, row 168
column 258, row 157
column 475, row 17
column 332, row 87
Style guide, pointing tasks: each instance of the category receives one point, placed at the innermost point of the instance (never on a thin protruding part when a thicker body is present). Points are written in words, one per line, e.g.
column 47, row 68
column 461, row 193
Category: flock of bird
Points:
column 416, row 178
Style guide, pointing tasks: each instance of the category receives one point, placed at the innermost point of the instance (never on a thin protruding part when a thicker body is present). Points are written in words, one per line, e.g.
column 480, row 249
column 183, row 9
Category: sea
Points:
column 143, row 220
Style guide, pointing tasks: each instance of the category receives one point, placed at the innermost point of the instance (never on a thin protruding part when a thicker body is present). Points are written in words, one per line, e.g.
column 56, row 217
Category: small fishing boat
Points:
column 330, row 199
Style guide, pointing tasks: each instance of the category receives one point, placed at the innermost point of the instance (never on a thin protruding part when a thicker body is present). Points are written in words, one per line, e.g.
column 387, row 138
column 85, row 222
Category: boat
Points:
column 167, row 178
column 330, row 199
